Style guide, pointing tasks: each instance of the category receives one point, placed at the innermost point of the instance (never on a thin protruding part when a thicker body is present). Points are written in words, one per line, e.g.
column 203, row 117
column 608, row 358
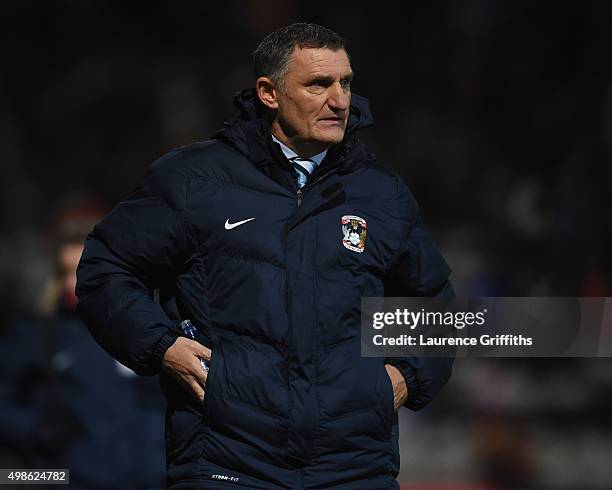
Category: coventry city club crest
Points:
column 354, row 233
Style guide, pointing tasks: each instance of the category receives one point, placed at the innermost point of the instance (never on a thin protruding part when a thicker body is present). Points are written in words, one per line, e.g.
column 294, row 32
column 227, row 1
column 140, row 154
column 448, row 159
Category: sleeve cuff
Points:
column 160, row 349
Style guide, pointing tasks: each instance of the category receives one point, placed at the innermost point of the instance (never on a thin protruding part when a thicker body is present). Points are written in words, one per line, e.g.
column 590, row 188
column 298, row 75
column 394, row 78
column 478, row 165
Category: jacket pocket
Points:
column 388, row 400
column 214, row 366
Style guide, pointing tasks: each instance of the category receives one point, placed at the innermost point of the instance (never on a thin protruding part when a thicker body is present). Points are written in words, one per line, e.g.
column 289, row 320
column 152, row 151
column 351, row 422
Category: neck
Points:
column 304, row 149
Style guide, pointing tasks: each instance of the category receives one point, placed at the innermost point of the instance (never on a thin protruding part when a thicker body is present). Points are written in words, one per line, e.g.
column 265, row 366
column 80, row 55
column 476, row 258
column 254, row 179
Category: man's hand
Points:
column 182, row 363
column 400, row 390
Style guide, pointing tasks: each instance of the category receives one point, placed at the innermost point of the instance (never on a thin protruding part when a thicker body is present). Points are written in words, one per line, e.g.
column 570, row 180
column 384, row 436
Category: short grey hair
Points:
column 272, row 56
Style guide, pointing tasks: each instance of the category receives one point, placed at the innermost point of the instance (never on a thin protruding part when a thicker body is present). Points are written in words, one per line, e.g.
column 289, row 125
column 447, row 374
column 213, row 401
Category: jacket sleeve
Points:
column 134, row 249
column 419, row 271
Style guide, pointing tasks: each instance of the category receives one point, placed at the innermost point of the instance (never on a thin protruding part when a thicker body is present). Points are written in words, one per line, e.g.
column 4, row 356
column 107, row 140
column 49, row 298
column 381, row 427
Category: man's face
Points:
column 313, row 105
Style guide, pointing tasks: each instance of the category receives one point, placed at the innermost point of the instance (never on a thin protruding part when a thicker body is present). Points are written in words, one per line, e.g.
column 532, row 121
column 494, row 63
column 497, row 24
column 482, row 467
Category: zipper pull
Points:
column 299, row 197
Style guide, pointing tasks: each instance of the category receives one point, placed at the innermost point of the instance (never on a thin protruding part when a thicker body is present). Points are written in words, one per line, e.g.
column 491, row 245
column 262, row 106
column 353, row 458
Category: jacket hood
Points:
column 249, row 131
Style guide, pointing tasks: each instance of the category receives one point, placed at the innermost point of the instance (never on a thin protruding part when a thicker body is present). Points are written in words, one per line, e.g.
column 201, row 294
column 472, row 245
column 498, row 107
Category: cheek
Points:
column 312, row 111
column 301, row 113
column 292, row 113
column 305, row 117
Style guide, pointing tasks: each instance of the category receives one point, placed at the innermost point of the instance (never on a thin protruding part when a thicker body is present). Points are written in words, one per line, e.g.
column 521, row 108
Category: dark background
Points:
column 497, row 114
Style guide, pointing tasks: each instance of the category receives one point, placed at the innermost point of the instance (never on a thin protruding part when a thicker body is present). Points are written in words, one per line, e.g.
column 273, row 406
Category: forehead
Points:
column 307, row 62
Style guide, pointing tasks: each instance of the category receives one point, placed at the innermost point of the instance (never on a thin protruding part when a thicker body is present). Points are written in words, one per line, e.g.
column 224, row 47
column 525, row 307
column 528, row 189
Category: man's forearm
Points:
column 120, row 312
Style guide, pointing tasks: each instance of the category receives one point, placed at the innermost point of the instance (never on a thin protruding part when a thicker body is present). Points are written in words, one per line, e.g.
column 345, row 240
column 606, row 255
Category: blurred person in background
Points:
column 67, row 404
column 243, row 235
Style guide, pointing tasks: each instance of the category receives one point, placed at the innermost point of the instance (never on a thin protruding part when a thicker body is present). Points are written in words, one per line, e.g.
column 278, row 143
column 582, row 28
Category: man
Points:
column 244, row 236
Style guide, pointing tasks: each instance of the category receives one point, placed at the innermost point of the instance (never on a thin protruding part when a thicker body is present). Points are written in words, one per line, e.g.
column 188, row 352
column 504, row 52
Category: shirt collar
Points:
column 289, row 153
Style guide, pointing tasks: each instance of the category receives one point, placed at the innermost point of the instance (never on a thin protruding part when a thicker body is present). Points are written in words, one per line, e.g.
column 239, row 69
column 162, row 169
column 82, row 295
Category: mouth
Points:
column 332, row 120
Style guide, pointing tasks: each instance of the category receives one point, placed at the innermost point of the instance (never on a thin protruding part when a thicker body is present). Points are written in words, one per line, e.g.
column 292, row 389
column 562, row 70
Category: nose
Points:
column 339, row 97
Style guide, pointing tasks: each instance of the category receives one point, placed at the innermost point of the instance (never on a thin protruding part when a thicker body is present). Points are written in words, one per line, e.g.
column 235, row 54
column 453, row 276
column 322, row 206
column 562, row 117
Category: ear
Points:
column 266, row 92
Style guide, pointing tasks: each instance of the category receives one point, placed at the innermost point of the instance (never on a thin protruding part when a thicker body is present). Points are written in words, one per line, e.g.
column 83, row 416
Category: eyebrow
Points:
column 329, row 78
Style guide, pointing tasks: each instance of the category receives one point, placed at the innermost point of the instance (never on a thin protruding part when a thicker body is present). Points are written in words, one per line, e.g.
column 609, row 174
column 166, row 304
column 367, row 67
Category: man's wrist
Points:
column 162, row 345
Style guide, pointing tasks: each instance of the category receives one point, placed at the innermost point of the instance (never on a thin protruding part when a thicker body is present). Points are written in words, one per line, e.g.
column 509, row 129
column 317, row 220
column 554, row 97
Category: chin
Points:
column 331, row 137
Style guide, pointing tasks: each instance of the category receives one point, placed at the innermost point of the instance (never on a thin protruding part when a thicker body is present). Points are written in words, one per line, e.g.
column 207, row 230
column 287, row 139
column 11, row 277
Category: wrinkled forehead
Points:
column 307, row 62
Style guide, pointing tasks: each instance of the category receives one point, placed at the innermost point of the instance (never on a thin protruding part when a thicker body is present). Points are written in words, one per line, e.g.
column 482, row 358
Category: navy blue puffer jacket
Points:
column 289, row 404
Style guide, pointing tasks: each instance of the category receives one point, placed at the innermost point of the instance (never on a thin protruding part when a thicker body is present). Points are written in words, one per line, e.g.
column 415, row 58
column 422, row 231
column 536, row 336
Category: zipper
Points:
column 300, row 192
column 326, row 174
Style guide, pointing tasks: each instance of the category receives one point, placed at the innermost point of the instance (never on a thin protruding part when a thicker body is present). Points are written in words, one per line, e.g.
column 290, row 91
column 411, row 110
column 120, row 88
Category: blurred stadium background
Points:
column 499, row 117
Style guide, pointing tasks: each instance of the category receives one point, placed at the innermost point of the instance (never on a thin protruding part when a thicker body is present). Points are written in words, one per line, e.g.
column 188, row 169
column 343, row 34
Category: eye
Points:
column 319, row 83
column 346, row 83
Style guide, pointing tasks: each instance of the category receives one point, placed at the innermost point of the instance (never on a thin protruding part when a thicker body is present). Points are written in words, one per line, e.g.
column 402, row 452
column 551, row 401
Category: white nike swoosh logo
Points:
column 229, row 226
